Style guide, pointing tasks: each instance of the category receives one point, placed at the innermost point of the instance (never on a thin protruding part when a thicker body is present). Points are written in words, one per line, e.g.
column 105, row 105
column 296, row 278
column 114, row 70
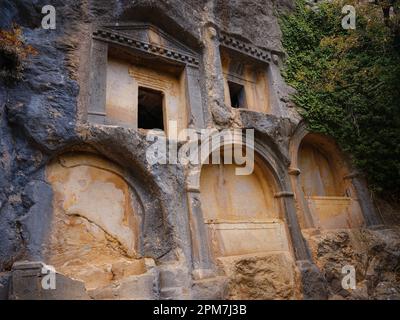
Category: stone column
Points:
column 203, row 266
column 300, row 249
column 193, row 90
column 214, row 79
column 313, row 282
column 367, row 207
column 98, row 82
column 301, row 199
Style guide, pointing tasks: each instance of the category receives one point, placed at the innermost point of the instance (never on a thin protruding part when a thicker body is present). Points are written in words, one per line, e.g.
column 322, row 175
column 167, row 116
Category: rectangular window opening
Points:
column 150, row 109
column 237, row 94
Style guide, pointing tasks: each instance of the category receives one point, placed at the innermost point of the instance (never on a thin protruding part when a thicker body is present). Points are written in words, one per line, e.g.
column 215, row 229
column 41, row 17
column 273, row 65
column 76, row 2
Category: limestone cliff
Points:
column 54, row 159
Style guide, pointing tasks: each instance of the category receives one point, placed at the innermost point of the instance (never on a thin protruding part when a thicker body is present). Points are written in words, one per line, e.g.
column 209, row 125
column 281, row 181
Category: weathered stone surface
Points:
column 26, row 284
column 175, row 282
column 210, row 289
column 37, row 116
column 375, row 255
column 78, row 222
column 142, row 287
column 261, row 276
column 4, row 285
column 44, row 108
column 313, row 282
column 232, row 16
column 273, row 129
column 27, row 277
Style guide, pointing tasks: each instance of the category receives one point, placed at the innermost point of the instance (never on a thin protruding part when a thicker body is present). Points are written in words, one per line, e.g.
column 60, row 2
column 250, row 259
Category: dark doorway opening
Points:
column 237, row 94
column 150, row 109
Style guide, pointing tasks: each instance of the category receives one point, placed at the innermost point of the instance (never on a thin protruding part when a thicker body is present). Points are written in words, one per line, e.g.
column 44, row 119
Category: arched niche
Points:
column 225, row 195
column 322, row 170
column 323, row 182
column 95, row 233
column 241, row 212
column 204, row 249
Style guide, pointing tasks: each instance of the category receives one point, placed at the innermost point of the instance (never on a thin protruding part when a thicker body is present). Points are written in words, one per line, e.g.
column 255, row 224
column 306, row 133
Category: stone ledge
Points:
column 26, row 284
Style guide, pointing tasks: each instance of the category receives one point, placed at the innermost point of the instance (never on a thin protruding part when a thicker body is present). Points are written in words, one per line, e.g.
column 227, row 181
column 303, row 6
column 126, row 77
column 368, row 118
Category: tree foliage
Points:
column 348, row 84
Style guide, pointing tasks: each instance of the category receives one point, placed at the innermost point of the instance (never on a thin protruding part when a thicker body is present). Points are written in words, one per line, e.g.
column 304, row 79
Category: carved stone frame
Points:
column 108, row 35
column 367, row 207
column 203, row 264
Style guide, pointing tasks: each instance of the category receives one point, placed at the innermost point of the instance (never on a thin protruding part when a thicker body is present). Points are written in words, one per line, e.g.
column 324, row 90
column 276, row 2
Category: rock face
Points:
column 97, row 220
column 79, row 191
column 262, row 277
column 374, row 255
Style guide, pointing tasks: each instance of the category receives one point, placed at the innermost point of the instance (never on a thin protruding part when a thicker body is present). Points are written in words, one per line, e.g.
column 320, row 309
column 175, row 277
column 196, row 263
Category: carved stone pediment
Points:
column 231, row 42
column 149, row 39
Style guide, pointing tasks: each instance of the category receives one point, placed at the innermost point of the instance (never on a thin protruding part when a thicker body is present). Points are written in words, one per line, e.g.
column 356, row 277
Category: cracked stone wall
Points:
column 141, row 240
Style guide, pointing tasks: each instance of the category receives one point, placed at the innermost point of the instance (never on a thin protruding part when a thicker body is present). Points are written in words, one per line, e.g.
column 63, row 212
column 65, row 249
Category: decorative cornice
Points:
column 112, row 36
column 144, row 26
column 245, row 48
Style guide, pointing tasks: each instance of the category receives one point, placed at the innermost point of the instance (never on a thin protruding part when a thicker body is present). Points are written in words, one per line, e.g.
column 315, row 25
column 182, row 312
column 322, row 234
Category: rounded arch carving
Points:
column 98, row 226
column 241, row 212
column 323, row 182
column 276, row 210
column 325, row 144
column 266, row 154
